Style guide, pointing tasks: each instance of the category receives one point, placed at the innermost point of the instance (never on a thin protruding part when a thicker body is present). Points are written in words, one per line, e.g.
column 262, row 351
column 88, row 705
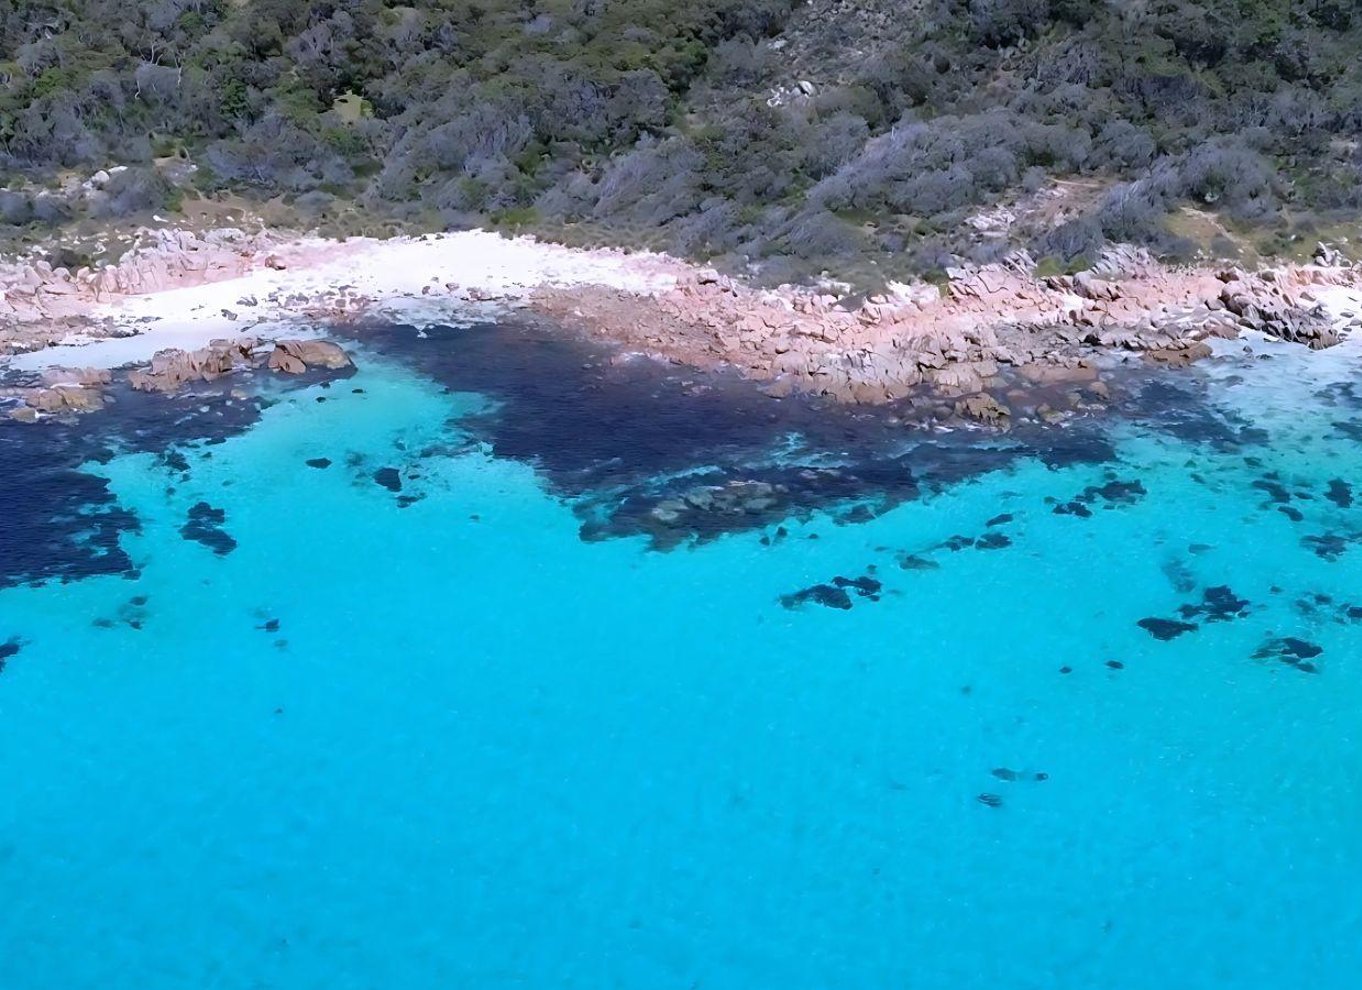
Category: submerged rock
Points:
column 1165, row 629
column 389, row 479
column 835, row 594
column 1218, row 604
column 1292, row 651
column 1340, row 493
column 204, row 526
column 8, row 649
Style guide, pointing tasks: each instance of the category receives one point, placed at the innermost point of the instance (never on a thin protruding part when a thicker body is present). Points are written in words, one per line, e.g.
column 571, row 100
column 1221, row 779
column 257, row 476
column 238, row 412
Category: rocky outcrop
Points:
column 171, row 369
column 62, row 390
column 1266, row 302
column 167, row 259
column 985, row 327
column 40, row 303
column 296, row 356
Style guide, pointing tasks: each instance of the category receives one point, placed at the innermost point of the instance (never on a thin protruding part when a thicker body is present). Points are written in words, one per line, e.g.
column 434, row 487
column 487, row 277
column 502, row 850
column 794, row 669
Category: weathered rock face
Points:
column 1263, row 303
column 67, row 391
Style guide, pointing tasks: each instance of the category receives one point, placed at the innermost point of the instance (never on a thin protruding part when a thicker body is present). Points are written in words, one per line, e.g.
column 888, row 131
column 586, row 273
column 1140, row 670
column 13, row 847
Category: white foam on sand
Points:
column 391, row 273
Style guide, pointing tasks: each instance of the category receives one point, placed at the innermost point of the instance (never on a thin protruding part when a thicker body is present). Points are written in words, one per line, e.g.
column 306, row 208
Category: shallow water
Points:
column 391, row 720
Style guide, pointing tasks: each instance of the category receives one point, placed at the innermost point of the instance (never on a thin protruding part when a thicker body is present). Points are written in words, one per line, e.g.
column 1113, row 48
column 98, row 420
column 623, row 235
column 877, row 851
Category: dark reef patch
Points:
column 1072, row 509
column 1179, row 575
column 1276, row 492
column 1015, row 776
column 1319, row 606
column 1292, row 651
column 321, row 463
column 1180, row 407
column 1218, row 604
column 914, row 562
column 1329, row 546
column 174, row 460
column 680, row 456
column 1340, row 493
column 204, row 526
column 62, row 522
column 836, row 594
column 388, row 478
column 1165, row 629
column 1114, row 492
column 8, row 650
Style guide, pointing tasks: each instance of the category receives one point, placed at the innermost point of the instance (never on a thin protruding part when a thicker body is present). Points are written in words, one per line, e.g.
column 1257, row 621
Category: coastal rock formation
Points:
column 994, row 344
column 296, row 356
column 172, row 368
column 80, row 391
column 988, row 326
column 35, row 290
column 63, row 390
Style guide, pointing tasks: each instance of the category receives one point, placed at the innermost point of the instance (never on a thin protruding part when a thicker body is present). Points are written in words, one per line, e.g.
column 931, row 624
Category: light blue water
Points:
column 480, row 752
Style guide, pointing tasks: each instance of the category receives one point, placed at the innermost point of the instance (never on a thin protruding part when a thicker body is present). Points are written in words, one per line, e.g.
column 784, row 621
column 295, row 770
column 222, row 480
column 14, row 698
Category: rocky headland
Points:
column 996, row 344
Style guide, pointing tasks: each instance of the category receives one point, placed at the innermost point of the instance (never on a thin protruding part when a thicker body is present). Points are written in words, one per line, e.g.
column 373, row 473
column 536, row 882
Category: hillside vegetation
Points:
column 776, row 135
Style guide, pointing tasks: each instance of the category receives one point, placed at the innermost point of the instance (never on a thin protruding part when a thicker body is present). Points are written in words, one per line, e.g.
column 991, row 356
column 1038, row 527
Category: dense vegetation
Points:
column 651, row 121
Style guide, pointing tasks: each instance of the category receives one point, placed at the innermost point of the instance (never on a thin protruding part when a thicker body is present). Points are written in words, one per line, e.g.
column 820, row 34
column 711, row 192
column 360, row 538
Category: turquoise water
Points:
column 452, row 744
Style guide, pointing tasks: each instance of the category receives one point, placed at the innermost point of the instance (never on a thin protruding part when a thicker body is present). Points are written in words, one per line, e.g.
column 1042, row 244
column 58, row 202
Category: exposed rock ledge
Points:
column 986, row 330
column 67, row 391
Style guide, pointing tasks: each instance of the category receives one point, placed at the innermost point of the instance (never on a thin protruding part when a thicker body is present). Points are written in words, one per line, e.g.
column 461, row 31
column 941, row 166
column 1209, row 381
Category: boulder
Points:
column 984, row 408
column 1179, row 357
column 63, row 398
column 282, row 360
column 78, row 399
column 1089, row 286
column 316, row 353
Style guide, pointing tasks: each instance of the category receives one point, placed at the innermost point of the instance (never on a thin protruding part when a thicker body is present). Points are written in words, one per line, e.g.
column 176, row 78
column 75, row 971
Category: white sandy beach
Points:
column 434, row 278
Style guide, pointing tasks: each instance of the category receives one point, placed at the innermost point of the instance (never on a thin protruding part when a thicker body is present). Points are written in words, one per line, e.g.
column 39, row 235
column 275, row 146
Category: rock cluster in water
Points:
column 82, row 390
column 172, row 368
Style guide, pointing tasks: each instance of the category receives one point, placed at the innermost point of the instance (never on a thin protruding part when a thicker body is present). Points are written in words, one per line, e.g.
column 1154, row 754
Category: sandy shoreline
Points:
column 981, row 339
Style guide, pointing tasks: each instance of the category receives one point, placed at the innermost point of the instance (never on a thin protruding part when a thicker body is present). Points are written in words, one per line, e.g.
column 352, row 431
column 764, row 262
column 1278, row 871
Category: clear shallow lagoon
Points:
column 453, row 744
